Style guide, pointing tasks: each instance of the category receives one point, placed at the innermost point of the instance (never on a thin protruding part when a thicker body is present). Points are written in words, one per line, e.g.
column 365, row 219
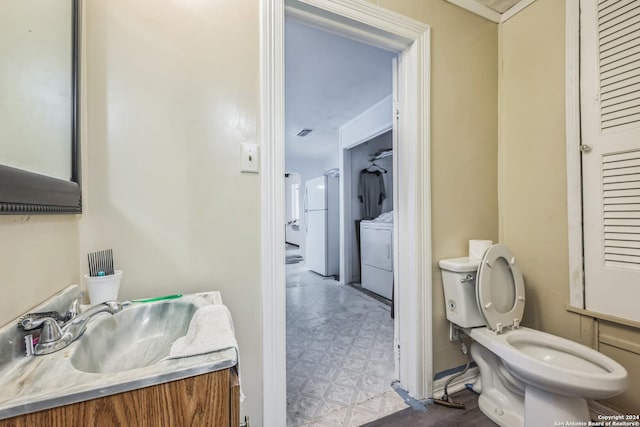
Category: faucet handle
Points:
column 74, row 308
column 50, row 329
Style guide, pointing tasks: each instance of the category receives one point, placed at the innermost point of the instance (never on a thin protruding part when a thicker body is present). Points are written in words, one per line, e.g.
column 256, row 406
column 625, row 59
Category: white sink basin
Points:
column 140, row 335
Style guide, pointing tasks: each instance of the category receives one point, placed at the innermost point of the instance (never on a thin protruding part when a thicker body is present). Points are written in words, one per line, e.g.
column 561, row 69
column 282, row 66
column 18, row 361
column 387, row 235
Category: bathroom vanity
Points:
column 122, row 370
column 205, row 400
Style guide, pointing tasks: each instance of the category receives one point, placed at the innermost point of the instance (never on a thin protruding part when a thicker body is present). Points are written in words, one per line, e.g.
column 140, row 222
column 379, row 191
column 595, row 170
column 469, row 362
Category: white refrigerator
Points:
column 322, row 225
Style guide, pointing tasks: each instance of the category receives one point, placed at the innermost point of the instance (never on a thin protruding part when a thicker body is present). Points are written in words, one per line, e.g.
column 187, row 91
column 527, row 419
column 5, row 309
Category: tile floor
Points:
column 339, row 353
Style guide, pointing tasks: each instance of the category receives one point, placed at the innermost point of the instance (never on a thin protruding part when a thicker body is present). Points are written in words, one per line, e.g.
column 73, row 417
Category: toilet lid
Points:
column 500, row 289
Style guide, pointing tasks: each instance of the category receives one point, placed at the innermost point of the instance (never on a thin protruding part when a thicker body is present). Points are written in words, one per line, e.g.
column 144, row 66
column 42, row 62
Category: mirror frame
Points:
column 28, row 193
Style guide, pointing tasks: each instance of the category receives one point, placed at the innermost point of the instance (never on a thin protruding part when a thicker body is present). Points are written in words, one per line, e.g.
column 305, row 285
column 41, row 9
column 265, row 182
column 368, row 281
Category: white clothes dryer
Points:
column 376, row 259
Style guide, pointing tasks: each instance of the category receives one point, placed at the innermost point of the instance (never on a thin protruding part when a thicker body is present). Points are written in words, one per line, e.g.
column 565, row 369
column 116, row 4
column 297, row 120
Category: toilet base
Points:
column 547, row 409
column 500, row 399
column 495, row 411
column 509, row 402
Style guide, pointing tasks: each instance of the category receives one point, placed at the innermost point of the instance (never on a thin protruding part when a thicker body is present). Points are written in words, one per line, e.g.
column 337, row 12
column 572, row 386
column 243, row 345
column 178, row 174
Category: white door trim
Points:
column 414, row 204
column 574, row 163
column 272, row 257
column 346, row 266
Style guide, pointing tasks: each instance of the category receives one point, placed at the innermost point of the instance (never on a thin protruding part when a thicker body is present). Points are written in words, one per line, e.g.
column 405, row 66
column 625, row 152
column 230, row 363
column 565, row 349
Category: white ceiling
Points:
column 329, row 80
column 494, row 10
column 499, row 6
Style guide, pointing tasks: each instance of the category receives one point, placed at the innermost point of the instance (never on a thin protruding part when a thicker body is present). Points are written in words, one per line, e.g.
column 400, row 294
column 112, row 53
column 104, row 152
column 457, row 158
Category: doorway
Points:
column 410, row 39
column 340, row 330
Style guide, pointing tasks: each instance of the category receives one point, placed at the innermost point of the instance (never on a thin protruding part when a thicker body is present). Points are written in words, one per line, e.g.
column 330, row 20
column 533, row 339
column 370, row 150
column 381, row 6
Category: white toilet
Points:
column 527, row 377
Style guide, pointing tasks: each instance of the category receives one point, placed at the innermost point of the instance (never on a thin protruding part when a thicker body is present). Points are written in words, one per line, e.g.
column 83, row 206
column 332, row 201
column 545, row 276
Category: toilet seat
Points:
column 498, row 277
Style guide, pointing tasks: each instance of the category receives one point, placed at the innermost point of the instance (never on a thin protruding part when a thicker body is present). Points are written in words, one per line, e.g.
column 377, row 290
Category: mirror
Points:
column 39, row 94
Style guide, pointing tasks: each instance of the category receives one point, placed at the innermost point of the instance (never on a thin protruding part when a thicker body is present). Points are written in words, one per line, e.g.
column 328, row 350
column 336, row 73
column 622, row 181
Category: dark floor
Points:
column 373, row 295
column 437, row 415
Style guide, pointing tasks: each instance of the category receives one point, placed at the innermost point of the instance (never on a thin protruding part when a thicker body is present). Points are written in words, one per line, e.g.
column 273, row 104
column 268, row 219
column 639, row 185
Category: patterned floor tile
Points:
column 361, row 416
column 310, row 356
column 337, row 417
column 375, row 383
column 339, row 354
column 295, row 384
column 343, row 394
column 349, row 378
column 359, row 353
column 323, row 423
column 393, row 403
column 374, row 405
column 305, row 408
column 303, row 368
column 364, row 395
column 325, row 372
column 315, row 388
column 357, row 365
column 332, row 359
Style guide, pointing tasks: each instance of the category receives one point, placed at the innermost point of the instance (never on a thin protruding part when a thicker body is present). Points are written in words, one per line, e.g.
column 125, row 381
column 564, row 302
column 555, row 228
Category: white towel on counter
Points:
column 210, row 330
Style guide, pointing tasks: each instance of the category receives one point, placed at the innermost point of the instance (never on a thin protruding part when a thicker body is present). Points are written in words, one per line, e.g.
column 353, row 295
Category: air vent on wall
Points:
column 304, row 132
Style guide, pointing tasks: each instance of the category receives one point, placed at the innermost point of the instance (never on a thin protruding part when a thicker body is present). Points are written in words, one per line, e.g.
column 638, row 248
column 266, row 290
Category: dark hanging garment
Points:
column 371, row 193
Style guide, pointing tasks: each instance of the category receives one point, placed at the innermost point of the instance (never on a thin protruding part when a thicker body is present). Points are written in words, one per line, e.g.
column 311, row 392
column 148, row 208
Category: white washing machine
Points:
column 376, row 257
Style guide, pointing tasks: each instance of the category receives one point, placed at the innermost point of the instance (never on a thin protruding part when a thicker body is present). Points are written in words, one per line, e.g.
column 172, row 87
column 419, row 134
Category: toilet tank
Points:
column 459, row 283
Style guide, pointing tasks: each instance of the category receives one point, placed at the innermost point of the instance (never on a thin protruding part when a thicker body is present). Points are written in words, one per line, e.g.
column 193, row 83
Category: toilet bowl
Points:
column 528, row 377
column 553, row 363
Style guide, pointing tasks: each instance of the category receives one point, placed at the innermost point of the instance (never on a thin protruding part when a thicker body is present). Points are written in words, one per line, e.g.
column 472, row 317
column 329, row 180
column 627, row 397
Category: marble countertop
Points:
column 29, row 384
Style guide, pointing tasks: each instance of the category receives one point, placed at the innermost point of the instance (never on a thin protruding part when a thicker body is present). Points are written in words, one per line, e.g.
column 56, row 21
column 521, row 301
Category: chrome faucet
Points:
column 54, row 336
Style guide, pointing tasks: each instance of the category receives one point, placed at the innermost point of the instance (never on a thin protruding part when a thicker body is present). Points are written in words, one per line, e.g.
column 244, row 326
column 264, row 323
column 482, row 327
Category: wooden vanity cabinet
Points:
column 211, row 399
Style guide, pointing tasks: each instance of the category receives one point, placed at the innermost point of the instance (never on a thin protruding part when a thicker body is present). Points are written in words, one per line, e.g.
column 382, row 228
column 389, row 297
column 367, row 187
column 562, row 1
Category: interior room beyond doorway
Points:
column 340, row 353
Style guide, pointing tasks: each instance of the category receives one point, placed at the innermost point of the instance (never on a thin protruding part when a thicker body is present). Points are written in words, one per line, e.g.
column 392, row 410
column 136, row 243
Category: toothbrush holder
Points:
column 103, row 288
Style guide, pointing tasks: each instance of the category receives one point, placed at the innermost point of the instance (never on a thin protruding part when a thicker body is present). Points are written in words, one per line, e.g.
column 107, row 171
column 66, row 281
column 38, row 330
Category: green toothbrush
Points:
column 166, row 297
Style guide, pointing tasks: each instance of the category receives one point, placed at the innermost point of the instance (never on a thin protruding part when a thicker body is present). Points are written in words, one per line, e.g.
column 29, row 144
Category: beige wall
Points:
column 38, row 257
column 533, row 199
column 532, row 177
column 172, row 91
column 464, row 135
column 38, row 253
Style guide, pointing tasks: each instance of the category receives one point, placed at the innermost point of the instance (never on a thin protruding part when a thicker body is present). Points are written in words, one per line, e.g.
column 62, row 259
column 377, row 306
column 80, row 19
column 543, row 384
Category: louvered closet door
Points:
column 610, row 101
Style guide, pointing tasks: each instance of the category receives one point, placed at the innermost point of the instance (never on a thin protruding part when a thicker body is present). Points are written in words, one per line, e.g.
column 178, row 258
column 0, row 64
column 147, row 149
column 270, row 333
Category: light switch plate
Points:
column 249, row 158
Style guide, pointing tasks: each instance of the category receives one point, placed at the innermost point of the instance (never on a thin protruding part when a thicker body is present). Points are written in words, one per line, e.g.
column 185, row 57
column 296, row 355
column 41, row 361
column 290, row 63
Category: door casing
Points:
column 376, row 26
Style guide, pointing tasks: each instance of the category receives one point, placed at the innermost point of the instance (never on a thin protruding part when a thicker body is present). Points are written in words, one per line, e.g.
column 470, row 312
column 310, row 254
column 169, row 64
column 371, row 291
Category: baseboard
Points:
column 457, row 384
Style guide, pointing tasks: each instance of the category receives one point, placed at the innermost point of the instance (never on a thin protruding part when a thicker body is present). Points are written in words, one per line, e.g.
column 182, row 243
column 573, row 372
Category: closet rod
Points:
column 382, row 156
